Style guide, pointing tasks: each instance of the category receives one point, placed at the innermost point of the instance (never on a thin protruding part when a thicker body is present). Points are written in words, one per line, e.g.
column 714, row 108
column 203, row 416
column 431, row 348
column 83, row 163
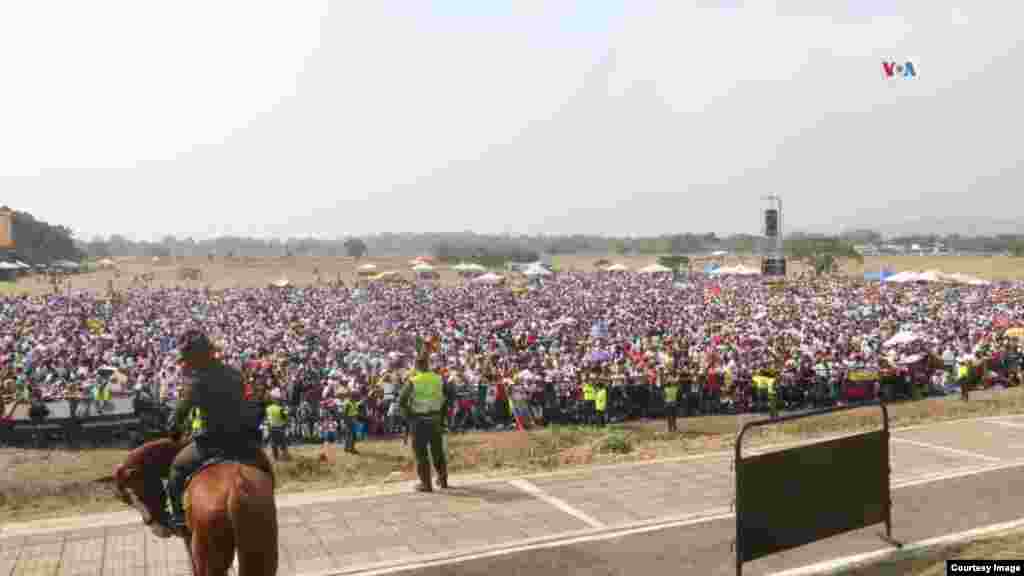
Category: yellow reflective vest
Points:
column 198, row 421
column 588, row 392
column 671, row 394
column 765, row 383
column 601, row 399
column 427, row 394
column 276, row 415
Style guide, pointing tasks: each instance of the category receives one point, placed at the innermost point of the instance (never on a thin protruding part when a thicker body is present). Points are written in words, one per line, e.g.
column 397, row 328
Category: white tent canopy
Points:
column 965, row 279
column 616, row 268
column 738, row 270
column 489, row 278
column 902, row 277
column 368, row 267
column 936, row 276
column 655, row 269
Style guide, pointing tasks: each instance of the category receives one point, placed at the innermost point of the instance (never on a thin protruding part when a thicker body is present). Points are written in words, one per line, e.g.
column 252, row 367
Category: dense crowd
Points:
column 630, row 333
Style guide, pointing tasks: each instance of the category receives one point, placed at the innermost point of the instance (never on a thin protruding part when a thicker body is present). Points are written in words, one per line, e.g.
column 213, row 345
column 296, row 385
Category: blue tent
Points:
column 878, row 276
column 709, row 268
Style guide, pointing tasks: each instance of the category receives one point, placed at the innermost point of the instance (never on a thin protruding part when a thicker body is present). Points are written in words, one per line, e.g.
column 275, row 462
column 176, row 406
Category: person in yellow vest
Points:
column 671, row 390
column 423, row 402
column 963, row 376
column 349, row 418
column 589, row 398
column 765, row 381
column 601, row 403
column 277, row 420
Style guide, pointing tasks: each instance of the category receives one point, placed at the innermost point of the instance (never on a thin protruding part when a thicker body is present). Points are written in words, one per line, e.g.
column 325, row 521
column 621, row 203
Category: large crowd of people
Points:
column 536, row 354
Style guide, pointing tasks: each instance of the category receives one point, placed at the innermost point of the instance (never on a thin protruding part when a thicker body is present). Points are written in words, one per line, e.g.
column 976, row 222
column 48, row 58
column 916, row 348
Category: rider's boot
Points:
column 175, row 490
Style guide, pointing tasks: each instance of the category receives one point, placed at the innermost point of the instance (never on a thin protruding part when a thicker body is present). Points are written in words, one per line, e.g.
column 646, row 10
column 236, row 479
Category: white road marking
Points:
column 962, row 473
column 532, row 489
column 1007, row 424
column 521, row 546
column 594, row 535
column 907, row 549
column 947, row 449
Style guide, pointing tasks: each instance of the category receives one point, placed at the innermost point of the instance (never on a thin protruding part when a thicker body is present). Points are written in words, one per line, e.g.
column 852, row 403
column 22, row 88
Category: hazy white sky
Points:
column 598, row 116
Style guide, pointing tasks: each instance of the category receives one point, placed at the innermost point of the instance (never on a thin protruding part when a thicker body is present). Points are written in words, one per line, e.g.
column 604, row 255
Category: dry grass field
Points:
column 47, row 483
column 304, row 271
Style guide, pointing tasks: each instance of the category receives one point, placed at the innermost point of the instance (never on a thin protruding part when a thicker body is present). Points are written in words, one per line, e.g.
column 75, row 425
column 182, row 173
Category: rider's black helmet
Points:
column 194, row 340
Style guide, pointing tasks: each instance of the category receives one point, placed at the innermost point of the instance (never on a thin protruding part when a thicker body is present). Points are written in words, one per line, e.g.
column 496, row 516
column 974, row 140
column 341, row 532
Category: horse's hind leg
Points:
column 213, row 549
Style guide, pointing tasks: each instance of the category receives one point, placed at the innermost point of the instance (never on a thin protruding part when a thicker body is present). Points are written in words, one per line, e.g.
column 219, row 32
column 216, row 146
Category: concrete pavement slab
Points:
column 977, row 440
column 910, row 460
column 920, row 512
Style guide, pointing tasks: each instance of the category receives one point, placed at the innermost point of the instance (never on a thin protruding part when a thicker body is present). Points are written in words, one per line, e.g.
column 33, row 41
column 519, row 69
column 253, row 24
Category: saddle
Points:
column 253, row 460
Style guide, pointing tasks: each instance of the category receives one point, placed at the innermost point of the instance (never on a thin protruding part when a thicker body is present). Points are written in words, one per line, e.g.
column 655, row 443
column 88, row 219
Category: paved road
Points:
column 393, row 529
column 920, row 512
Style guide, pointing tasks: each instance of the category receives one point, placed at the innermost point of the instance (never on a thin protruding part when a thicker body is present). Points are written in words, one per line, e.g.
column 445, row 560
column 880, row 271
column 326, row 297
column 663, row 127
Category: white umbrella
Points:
column 901, row 338
column 536, row 271
column 907, row 360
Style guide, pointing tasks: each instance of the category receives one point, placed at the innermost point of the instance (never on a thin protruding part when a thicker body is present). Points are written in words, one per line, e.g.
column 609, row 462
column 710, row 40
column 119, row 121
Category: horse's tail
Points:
column 253, row 517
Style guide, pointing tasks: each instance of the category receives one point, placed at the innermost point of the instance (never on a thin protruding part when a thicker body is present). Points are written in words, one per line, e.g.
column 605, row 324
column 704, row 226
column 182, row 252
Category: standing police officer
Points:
column 423, row 403
column 671, row 390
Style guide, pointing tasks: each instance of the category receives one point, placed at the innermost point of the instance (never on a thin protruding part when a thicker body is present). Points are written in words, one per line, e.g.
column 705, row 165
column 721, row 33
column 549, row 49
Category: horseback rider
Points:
column 213, row 411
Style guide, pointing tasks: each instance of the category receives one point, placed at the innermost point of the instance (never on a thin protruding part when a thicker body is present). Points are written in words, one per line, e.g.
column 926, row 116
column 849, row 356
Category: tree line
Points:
column 495, row 249
column 39, row 242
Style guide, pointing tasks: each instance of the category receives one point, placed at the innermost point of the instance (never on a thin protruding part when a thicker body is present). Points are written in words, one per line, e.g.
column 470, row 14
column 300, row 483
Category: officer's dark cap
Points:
column 194, row 340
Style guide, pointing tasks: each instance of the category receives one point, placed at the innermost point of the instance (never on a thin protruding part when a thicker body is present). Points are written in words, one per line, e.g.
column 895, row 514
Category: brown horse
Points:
column 230, row 507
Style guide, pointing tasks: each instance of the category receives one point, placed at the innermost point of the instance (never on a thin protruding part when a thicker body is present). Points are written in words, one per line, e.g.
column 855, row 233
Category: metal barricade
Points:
column 788, row 498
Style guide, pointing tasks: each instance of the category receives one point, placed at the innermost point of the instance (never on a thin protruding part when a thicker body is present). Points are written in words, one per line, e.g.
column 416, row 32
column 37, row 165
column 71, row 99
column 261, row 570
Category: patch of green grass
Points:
column 11, row 289
column 617, row 442
column 932, row 562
